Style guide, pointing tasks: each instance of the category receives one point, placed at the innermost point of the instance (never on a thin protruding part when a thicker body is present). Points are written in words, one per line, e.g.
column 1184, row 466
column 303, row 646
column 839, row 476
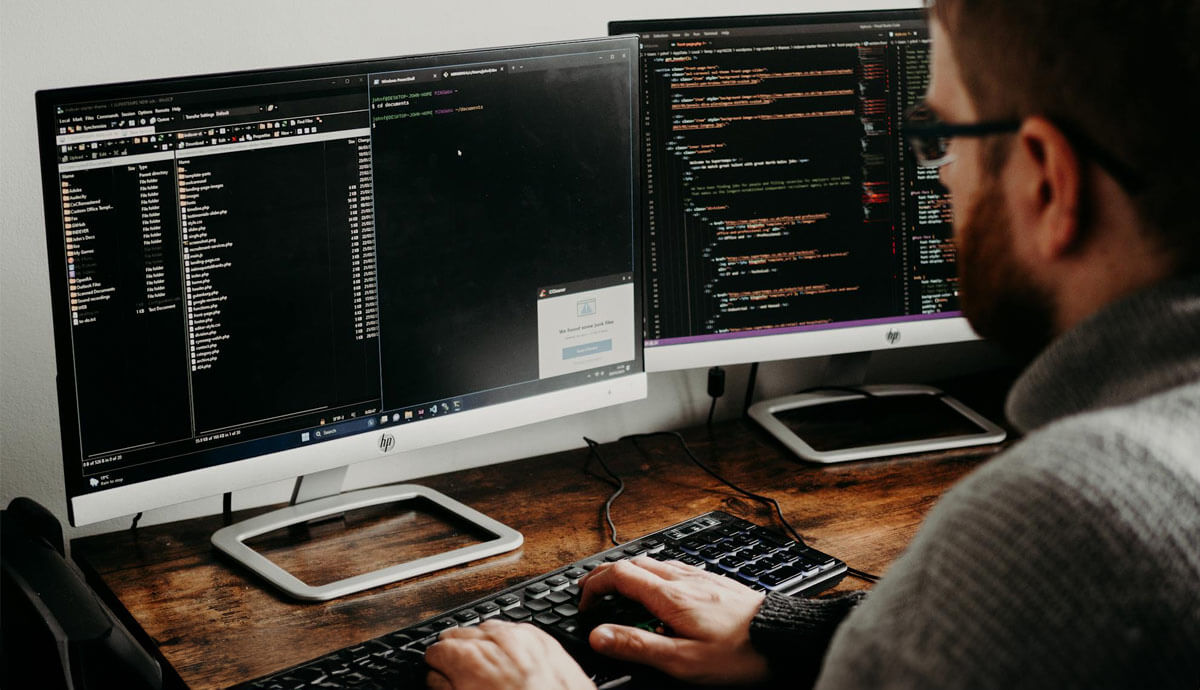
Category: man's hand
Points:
column 708, row 614
column 502, row 656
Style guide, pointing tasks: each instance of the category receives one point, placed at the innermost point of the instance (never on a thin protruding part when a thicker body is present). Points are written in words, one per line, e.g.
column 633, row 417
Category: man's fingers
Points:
column 452, row 651
column 462, row 633
column 626, row 578
column 670, row 570
column 436, row 681
column 667, row 654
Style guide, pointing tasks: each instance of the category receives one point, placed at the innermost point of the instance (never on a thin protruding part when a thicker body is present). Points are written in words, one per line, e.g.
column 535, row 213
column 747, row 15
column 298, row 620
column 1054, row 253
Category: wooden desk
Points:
column 215, row 625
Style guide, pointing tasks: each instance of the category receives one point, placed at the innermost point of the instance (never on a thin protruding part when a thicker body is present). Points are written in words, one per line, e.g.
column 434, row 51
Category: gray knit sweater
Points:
column 1072, row 560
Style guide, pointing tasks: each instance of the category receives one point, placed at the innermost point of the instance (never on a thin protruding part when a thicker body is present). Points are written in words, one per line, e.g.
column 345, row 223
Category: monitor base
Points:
column 232, row 540
column 879, row 421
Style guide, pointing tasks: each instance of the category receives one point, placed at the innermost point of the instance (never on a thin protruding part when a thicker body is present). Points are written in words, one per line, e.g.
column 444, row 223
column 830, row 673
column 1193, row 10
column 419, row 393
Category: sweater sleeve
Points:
column 794, row 632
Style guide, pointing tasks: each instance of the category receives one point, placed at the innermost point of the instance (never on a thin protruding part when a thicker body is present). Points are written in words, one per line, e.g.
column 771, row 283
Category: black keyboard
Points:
column 721, row 543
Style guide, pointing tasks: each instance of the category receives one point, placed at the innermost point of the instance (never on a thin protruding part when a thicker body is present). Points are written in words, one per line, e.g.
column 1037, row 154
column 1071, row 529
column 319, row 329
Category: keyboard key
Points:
column 574, row 591
column 536, row 605
column 518, row 614
column 785, row 557
column 634, row 550
column 308, row 674
column 779, row 576
column 488, row 609
column 751, row 570
column 380, row 649
column 614, row 557
column 536, row 590
column 558, row 597
column 566, row 610
column 575, row 573
column 444, row 624
column 731, row 562
column 557, row 582
column 423, row 631
column 547, row 618
column 743, row 540
column 466, row 617
column 422, row 644
column 758, row 550
column 653, row 545
column 508, row 601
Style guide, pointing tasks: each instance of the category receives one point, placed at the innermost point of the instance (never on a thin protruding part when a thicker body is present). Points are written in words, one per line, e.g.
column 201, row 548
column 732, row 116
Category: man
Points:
column 1072, row 559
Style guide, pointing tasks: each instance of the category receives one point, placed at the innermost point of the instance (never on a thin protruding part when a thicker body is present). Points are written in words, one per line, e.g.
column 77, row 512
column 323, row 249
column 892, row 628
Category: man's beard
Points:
column 999, row 297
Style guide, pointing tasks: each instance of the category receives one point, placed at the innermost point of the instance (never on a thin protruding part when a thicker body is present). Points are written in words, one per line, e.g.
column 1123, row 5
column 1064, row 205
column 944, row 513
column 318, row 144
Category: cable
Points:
column 594, row 449
column 757, row 497
column 716, row 388
column 855, row 572
column 751, row 381
column 762, row 499
column 133, row 525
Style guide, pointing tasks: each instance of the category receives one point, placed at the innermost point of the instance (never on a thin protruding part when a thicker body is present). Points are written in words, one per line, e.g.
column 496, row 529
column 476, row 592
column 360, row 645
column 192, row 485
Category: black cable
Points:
column 855, row 572
column 762, row 499
column 227, row 507
column 750, row 494
column 133, row 525
column 594, row 449
column 750, row 383
column 716, row 388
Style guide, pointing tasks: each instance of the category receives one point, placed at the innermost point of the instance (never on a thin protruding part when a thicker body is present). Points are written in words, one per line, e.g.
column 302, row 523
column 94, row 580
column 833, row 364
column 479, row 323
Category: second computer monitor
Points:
column 785, row 215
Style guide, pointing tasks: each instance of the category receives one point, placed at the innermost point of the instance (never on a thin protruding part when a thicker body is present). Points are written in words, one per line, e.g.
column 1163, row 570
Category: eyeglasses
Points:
column 930, row 138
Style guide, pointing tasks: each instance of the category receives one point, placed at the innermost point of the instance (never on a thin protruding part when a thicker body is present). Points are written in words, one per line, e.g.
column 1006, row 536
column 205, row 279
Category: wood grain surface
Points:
column 217, row 625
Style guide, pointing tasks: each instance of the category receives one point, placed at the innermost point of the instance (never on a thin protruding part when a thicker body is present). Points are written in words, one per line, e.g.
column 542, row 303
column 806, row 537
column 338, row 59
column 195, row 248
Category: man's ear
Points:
column 1050, row 187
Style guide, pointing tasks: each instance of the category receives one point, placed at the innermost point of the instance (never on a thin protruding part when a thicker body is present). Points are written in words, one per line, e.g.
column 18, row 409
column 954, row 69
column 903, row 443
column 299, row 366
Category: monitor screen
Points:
column 263, row 274
column 785, row 215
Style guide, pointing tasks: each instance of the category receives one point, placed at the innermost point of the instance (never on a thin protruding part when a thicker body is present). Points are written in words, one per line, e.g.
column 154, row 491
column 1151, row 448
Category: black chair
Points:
column 56, row 633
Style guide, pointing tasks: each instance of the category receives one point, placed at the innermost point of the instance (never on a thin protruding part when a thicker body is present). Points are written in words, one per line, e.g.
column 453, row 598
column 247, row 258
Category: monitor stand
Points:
column 841, row 419
column 316, row 497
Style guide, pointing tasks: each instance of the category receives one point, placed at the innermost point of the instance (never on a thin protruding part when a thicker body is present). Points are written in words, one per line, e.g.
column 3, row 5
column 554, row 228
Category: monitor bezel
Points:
column 88, row 507
column 818, row 341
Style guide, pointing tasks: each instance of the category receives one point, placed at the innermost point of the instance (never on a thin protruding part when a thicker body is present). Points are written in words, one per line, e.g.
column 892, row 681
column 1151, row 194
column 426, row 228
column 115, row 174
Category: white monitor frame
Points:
column 762, row 346
column 338, row 452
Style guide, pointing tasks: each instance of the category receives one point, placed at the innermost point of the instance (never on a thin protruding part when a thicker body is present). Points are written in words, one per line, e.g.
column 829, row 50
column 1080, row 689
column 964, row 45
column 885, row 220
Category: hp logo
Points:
column 893, row 336
column 386, row 443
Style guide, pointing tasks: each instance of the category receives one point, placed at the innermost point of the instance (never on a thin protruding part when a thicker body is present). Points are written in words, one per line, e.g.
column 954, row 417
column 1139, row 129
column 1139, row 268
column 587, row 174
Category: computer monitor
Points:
column 785, row 216
column 268, row 274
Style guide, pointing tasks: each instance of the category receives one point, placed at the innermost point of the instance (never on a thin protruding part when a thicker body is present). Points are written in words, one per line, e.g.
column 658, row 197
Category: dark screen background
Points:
column 476, row 210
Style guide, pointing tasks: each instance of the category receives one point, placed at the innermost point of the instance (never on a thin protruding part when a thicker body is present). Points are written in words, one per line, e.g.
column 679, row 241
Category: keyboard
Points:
column 758, row 557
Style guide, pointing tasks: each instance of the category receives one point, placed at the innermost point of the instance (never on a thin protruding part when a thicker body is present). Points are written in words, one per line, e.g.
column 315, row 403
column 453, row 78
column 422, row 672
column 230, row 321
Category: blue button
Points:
column 587, row 349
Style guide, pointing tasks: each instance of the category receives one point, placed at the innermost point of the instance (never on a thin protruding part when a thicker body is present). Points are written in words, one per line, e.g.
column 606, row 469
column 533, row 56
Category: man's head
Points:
column 1090, row 198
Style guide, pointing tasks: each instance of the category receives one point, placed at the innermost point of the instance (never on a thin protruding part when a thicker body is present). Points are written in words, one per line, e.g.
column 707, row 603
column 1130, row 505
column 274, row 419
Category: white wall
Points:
column 57, row 43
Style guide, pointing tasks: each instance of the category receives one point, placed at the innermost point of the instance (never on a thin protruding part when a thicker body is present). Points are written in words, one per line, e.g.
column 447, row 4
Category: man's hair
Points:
column 1124, row 74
